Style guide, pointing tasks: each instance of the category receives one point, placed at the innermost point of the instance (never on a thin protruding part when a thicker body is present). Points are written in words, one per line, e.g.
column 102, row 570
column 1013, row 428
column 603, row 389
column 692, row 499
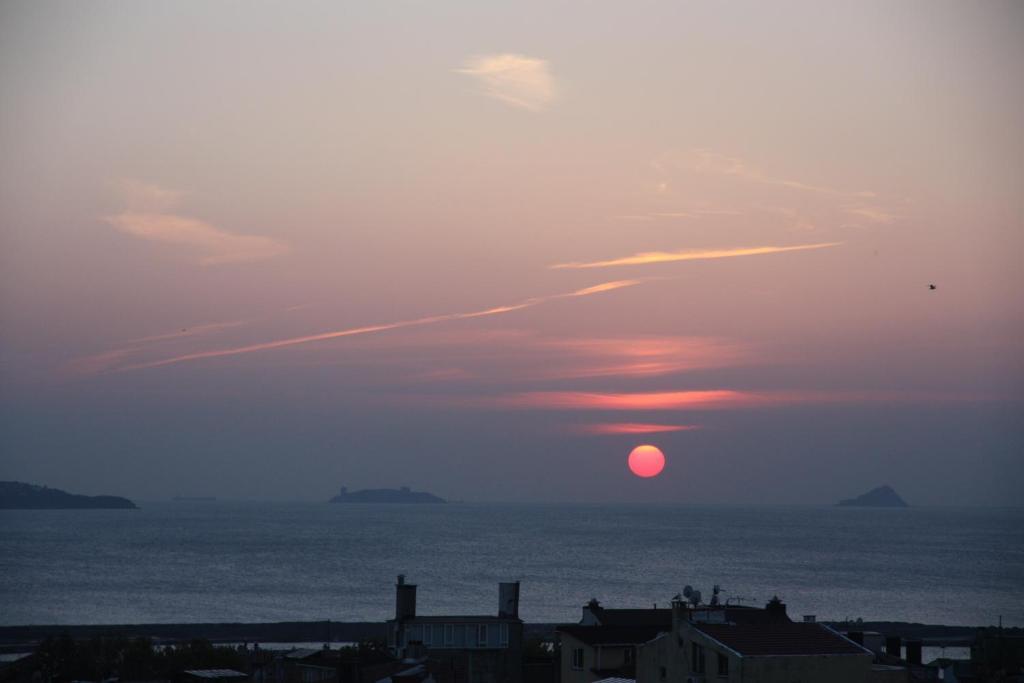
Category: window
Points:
column 696, row 658
column 449, row 634
column 481, row 635
column 577, row 659
column 723, row 665
column 628, row 655
column 428, row 635
column 503, row 635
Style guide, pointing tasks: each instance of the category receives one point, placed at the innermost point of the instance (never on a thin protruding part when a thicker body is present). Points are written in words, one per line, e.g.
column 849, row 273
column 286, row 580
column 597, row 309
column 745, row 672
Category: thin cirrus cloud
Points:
column 516, row 80
column 661, row 400
column 369, row 329
column 149, row 216
column 872, row 214
column 642, row 356
column 713, row 399
column 607, row 428
column 716, row 163
column 649, row 257
column 107, row 360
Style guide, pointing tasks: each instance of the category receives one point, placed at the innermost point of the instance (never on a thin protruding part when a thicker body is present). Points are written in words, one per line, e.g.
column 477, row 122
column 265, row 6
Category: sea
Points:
column 221, row 561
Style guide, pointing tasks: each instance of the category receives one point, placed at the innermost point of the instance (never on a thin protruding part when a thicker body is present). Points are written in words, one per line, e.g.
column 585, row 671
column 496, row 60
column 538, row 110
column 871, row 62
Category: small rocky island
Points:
column 881, row 497
column 15, row 495
column 402, row 495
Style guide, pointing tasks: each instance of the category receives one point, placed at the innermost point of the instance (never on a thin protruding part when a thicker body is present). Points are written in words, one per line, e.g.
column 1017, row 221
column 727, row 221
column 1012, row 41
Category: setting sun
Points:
column 646, row 461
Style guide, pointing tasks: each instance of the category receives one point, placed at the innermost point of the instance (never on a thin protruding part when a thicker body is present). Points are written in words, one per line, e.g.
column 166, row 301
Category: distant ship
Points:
column 402, row 495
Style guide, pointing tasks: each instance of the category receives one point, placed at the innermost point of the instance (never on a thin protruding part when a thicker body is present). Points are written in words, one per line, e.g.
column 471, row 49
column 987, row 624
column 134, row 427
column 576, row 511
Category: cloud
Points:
column 630, row 428
column 517, row 80
column 873, row 214
column 148, row 215
column 603, row 287
column 712, row 399
column 370, row 329
column 713, row 162
column 212, row 245
column 107, row 360
column 146, row 197
column 640, row 356
column 648, row 257
column 191, row 331
column 662, row 400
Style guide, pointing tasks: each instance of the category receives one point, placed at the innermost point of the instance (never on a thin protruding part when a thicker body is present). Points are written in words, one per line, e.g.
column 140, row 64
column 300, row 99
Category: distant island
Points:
column 402, row 495
column 15, row 495
column 881, row 497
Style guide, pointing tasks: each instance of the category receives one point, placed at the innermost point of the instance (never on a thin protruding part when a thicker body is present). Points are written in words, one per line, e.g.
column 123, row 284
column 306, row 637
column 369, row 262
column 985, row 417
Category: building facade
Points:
column 604, row 643
column 723, row 644
column 462, row 649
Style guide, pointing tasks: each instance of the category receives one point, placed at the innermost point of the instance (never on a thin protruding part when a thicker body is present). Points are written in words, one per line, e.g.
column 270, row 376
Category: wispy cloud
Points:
column 370, row 329
column 517, row 80
column 145, row 197
column 606, row 428
column 107, row 360
column 148, row 216
column 712, row 399
column 713, row 162
column 212, row 245
column 872, row 214
column 663, row 400
column 648, row 257
column 190, row 331
column 640, row 356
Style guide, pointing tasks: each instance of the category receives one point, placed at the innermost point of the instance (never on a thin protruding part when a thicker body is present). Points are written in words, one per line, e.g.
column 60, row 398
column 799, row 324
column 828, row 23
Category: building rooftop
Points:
column 780, row 638
column 632, row 617
column 215, row 673
column 612, row 635
column 461, row 618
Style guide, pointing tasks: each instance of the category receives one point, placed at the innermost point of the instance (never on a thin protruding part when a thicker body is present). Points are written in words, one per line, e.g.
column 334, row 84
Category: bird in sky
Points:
column 931, row 286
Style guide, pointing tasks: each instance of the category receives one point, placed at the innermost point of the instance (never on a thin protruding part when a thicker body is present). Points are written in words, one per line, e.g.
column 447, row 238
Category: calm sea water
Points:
column 221, row 561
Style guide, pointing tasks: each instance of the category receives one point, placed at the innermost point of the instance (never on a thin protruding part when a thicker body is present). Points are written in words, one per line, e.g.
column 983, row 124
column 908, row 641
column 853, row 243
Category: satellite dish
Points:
column 687, row 591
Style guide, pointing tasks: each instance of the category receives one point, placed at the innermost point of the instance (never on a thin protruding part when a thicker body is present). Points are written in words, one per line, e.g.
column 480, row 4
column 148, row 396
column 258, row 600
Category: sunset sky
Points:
column 265, row 249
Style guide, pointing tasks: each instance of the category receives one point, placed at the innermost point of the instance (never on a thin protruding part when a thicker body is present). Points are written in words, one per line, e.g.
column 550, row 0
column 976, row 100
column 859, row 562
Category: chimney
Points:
column 914, row 652
column 508, row 599
column 893, row 646
column 776, row 609
column 405, row 599
column 678, row 613
column 591, row 613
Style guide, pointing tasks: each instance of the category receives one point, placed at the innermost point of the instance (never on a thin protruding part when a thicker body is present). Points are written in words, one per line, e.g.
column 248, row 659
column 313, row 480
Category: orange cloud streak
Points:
column 632, row 428
column 665, row 400
column 648, row 257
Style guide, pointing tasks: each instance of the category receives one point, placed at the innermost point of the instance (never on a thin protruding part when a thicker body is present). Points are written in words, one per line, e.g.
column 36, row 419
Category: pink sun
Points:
column 646, row 461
